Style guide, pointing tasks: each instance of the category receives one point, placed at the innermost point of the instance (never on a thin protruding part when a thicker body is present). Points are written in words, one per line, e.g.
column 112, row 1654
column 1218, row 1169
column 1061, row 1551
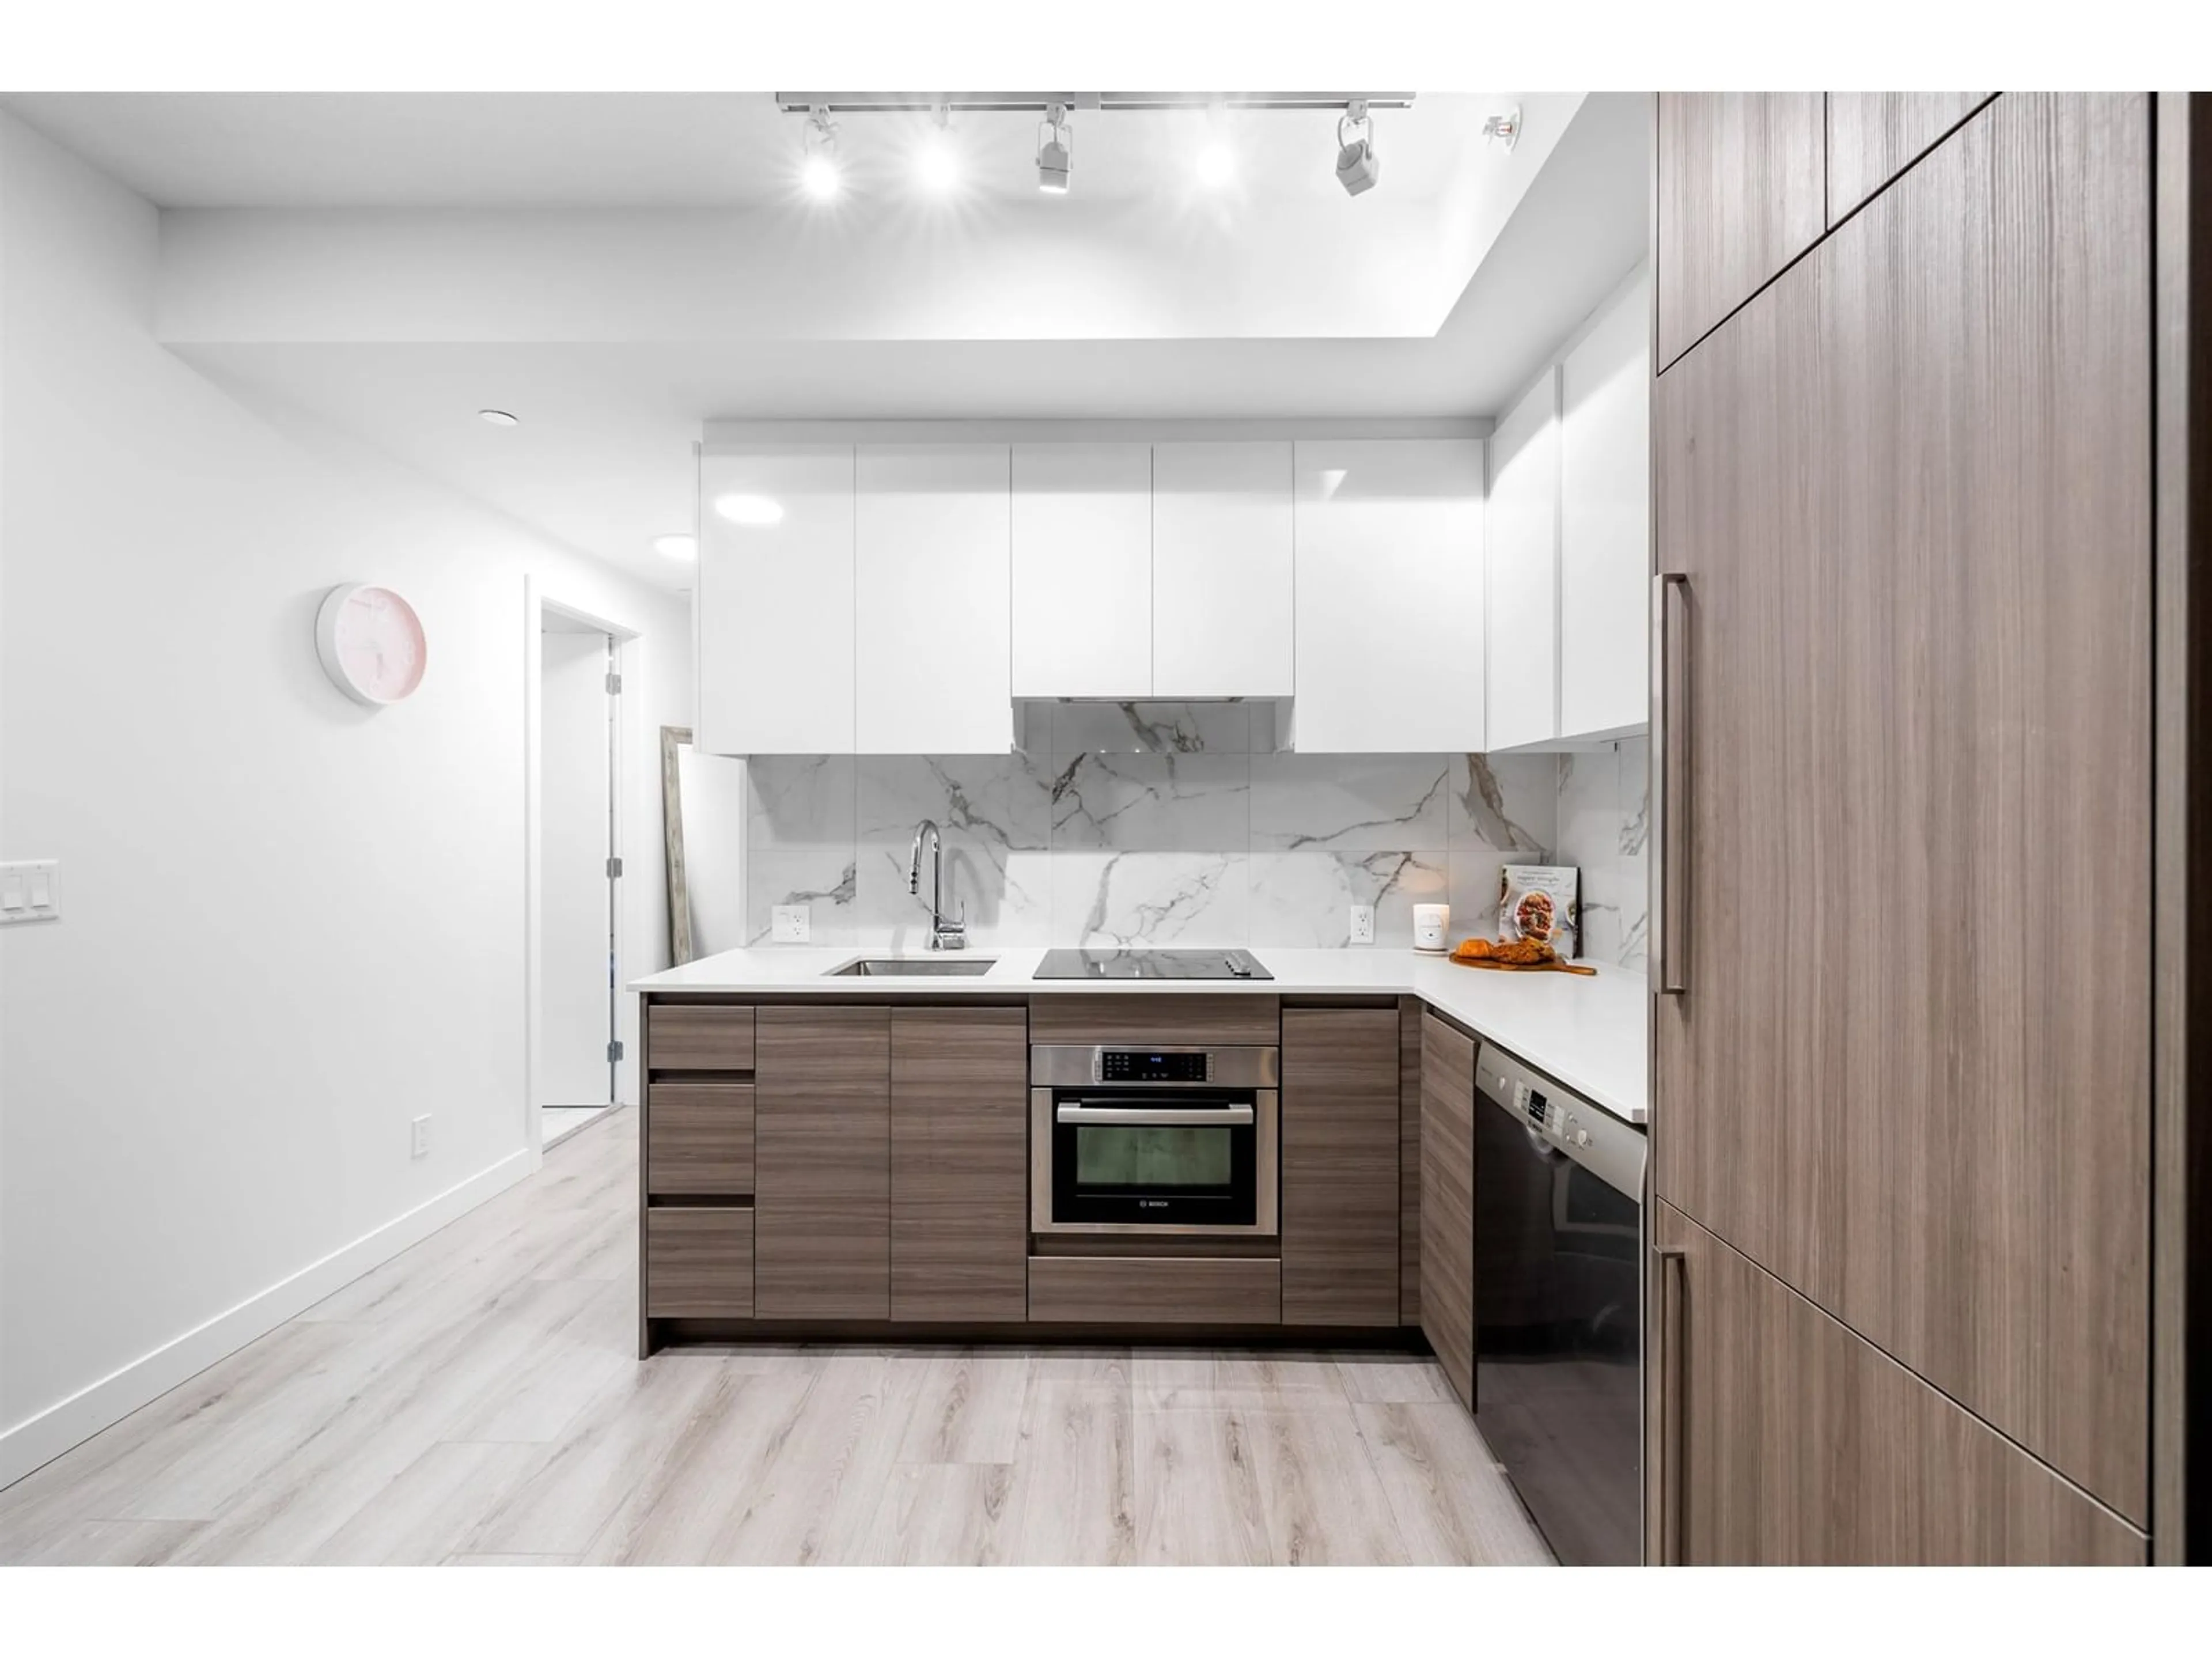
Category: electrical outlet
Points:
column 1363, row 923
column 418, row 1138
column 794, row 923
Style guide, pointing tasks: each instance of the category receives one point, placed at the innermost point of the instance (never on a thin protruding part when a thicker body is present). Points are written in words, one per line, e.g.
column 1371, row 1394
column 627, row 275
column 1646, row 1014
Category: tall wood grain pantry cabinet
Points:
column 1907, row 903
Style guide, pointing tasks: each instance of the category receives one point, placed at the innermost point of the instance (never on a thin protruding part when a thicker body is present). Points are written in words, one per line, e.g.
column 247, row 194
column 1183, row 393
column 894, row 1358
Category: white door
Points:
column 1524, row 569
column 1605, row 521
column 1222, row 583
column 1083, row 570
column 774, row 602
column 1389, row 595
column 575, row 908
column 931, row 630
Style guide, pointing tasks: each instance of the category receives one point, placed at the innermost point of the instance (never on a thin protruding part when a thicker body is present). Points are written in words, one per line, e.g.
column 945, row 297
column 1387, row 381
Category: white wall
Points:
column 291, row 924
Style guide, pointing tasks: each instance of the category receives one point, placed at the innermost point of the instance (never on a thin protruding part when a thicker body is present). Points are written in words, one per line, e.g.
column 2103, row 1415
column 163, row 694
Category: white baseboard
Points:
column 69, row 1422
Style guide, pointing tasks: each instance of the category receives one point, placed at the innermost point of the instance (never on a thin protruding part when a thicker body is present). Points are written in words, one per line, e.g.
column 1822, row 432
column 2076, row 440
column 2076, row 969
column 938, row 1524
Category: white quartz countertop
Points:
column 1589, row 1033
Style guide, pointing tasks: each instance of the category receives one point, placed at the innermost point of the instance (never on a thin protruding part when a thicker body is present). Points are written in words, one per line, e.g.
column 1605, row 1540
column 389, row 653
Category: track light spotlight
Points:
column 818, row 172
column 1358, row 165
column 935, row 165
column 1216, row 163
column 1056, row 155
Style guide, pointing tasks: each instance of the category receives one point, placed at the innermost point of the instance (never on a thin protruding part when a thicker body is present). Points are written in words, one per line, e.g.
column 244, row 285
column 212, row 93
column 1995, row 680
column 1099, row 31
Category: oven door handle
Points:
column 1156, row 1116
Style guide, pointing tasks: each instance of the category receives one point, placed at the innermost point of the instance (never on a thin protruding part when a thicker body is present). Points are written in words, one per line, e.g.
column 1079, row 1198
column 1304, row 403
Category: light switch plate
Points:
column 30, row 890
column 1363, row 923
column 794, row 923
column 418, row 1138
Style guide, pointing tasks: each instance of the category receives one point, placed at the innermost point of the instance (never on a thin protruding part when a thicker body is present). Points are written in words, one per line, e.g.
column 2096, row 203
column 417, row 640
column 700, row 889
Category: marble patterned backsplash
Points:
column 1603, row 824
column 1142, row 823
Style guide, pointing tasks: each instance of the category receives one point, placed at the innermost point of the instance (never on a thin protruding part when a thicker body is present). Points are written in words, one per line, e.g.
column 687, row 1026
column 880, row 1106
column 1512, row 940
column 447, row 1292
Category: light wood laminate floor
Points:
column 478, row 1401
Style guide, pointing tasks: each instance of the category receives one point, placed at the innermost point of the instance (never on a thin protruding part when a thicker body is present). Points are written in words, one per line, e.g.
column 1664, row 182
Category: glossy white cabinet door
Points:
column 1605, row 523
column 1389, row 595
column 1523, row 657
column 1083, row 570
column 774, row 603
column 1221, row 569
column 931, row 631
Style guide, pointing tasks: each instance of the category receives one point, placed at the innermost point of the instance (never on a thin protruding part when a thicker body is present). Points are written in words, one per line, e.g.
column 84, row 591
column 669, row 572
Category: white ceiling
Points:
column 603, row 459
column 306, row 149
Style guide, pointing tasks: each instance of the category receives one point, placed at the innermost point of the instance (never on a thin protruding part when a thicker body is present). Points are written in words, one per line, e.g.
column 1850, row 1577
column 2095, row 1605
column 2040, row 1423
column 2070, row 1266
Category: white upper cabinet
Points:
column 774, row 602
column 1221, row 541
column 931, row 629
column 1082, row 570
column 1523, row 659
column 1605, row 552
column 1389, row 560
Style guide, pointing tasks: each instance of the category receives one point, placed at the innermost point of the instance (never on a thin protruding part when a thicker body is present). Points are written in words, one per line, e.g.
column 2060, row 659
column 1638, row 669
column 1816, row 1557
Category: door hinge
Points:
column 614, row 868
column 614, row 685
column 614, row 1051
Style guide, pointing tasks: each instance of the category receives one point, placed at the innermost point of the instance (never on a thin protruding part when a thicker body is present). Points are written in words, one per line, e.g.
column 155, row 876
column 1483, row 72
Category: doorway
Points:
column 579, row 866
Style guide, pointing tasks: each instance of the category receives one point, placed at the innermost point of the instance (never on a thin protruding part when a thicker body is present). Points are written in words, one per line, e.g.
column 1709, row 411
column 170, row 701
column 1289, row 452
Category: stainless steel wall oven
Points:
column 1154, row 1139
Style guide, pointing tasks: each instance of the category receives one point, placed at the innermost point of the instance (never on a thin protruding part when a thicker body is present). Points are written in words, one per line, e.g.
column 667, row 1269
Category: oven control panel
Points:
column 1138, row 1066
column 1154, row 1066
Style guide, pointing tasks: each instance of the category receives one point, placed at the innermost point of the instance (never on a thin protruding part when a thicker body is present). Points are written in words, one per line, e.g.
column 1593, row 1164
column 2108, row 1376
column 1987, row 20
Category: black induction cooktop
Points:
column 1151, row 964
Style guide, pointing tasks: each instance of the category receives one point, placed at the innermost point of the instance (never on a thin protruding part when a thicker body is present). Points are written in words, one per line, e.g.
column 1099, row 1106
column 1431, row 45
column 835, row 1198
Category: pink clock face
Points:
column 380, row 644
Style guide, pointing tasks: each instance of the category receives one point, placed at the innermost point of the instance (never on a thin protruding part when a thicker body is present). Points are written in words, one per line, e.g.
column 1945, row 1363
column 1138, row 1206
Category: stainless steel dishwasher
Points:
column 1558, row 1328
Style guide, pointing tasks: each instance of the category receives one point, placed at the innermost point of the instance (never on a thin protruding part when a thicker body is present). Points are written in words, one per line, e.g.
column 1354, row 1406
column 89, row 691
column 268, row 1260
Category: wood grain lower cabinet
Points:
column 699, row 1263
column 959, row 1192
column 1340, row 1155
column 1914, row 649
column 699, row 1140
column 1162, row 1017
column 1742, row 190
column 1410, row 1013
column 1155, row 1290
column 822, row 1152
column 1448, row 1263
column 699, row 1037
column 1785, row 1438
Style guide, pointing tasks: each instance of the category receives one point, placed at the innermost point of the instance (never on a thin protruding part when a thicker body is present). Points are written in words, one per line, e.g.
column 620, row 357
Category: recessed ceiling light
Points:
column 682, row 549
column 497, row 417
column 749, row 509
column 1216, row 164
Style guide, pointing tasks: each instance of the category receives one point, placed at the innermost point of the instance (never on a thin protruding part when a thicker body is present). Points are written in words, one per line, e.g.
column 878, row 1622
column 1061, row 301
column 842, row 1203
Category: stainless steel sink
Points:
column 914, row 967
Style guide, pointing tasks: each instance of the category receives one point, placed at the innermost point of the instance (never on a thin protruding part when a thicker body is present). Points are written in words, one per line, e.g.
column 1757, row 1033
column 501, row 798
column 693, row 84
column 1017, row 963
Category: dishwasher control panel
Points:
column 1589, row 1135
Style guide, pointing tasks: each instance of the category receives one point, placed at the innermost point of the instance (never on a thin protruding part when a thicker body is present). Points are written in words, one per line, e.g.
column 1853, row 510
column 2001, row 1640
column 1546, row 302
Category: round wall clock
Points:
column 371, row 644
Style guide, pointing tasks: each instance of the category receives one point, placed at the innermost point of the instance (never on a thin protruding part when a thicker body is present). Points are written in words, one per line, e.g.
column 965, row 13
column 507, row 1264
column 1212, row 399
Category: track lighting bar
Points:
column 888, row 103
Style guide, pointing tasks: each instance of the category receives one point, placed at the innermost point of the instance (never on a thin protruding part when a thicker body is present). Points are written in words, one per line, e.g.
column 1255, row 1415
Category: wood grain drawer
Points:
column 1157, row 1016
column 699, row 1264
column 1160, row 1290
column 699, row 1140
column 699, row 1037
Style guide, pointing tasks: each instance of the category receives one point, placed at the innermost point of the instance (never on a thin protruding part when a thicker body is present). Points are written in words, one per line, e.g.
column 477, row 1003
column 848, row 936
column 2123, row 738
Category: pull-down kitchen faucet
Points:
column 943, row 935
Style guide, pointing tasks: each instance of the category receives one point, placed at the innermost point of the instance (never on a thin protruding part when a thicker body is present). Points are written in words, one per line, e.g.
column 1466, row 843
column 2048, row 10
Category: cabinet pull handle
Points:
column 1673, row 1265
column 1665, row 951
